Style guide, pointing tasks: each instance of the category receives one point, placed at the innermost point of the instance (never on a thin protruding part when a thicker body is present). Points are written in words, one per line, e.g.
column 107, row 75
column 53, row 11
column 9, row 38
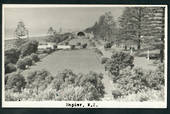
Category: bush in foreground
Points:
column 15, row 82
column 137, row 80
column 149, row 95
column 38, row 80
column 66, row 86
column 118, row 61
column 70, row 86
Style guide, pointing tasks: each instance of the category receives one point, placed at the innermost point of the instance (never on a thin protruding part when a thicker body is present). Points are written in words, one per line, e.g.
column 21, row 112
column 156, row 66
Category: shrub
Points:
column 29, row 48
column 137, row 80
column 78, row 43
column 85, row 87
column 16, row 82
column 116, row 94
column 155, row 79
column 118, row 61
column 84, row 45
column 71, row 86
column 38, row 80
column 72, row 93
column 21, row 64
column 108, row 45
column 132, row 81
column 66, row 76
column 92, row 82
column 48, row 51
column 12, row 56
column 10, row 68
column 28, row 60
column 72, row 47
column 104, row 60
column 66, row 43
column 35, row 57
column 46, row 95
column 149, row 95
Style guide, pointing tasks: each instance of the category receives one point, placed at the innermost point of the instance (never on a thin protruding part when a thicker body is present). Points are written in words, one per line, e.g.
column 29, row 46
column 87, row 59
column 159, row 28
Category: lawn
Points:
column 80, row 61
column 139, row 61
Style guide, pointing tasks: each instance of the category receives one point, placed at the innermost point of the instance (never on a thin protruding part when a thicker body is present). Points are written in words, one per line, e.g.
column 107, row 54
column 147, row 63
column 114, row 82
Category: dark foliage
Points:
column 15, row 82
column 12, row 56
column 35, row 57
column 38, row 80
column 10, row 68
column 118, row 61
column 29, row 48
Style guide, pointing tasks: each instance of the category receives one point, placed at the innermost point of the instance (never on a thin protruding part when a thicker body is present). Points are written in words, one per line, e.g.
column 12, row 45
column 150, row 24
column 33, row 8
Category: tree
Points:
column 154, row 25
column 131, row 23
column 104, row 28
column 144, row 25
column 51, row 31
column 21, row 30
column 29, row 48
column 20, row 42
column 16, row 82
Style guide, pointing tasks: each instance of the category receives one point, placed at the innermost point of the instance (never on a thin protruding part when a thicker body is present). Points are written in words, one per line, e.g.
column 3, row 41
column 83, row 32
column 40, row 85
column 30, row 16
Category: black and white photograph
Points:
column 84, row 56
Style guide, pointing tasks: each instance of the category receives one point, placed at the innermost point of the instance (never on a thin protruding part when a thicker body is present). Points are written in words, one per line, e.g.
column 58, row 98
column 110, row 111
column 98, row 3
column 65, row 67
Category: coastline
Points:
column 31, row 36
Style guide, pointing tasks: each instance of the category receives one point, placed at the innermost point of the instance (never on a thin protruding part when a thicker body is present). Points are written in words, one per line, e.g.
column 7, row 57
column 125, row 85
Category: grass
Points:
column 80, row 61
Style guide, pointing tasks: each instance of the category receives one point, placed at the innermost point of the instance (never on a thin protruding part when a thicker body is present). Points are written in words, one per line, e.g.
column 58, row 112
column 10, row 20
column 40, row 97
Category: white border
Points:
column 62, row 104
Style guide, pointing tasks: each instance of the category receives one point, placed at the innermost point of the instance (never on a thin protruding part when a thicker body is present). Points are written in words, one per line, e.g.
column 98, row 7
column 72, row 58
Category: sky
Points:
column 38, row 20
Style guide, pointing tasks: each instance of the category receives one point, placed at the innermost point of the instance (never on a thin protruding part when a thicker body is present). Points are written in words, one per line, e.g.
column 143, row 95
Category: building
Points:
column 48, row 45
column 63, row 47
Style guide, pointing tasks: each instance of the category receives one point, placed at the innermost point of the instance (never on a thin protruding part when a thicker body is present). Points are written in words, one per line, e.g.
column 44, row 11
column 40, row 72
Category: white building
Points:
column 63, row 47
column 48, row 45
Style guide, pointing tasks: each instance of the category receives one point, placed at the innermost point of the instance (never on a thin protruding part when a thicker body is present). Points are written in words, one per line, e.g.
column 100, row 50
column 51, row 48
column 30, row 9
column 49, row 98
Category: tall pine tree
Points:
column 131, row 24
column 105, row 28
column 153, row 29
column 144, row 25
